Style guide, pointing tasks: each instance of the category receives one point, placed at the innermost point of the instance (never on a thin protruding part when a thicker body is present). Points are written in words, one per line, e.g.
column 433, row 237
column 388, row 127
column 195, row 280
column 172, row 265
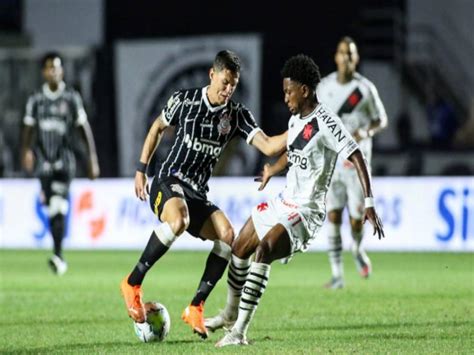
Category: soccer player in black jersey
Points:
column 52, row 114
column 206, row 119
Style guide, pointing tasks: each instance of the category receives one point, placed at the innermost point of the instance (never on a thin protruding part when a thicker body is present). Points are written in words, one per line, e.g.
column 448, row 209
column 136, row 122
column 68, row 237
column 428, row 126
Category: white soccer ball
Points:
column 157, row 324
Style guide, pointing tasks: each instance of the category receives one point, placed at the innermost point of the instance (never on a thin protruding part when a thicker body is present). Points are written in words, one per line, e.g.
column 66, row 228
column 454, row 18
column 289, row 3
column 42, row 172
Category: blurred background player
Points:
column 356, row 101
column 206, row 120
column 52, row 114
column 288, row 223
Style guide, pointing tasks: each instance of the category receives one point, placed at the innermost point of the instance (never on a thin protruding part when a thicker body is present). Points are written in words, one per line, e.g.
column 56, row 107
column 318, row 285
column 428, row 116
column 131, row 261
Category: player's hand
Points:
column 28, row 161
column 265, row 177
column 141, row 186
column 372, row 216
column 94, row 170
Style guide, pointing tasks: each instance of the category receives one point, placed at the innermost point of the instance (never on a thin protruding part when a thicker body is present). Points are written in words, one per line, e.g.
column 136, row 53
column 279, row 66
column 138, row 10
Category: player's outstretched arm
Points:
column 359, row 162
column 86, row 132
column 152, row 140
column 270, row 170
column 270, row 146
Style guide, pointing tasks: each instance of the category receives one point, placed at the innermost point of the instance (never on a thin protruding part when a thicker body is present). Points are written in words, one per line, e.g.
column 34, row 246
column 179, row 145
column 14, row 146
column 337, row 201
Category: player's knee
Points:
column 227, row 235
column 179, row 224
column 263, row 253
column 356, row 225
column 335, row 216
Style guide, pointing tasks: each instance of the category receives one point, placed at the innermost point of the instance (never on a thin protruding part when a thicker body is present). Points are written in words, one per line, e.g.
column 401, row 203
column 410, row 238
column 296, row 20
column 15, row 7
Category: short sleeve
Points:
column 171, row 111
column 30, row 112
column 247, row 128
column 79, row 111
column 336, row 136
column 376, row 109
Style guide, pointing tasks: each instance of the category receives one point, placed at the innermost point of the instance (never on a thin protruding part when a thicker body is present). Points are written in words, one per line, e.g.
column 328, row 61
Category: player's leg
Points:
column 356, row 210
column 217, row 228
column 55, row 191
column 275, row 245
column 242, row 250
column 170, row 206
column 336, row 200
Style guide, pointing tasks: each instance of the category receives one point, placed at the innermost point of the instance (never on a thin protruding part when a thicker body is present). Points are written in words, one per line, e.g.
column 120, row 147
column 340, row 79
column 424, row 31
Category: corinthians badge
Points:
column 224, row 124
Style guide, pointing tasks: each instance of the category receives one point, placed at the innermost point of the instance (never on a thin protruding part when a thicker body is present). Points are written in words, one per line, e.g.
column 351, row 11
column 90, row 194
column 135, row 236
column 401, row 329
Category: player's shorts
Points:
column 56, row 184
column 277, row 211
column 345, row 189
column 198, row 206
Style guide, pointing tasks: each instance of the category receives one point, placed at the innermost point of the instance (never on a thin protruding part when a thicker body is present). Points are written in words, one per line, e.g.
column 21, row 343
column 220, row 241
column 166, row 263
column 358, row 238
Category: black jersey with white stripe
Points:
column 202, row 132
column 54, row 116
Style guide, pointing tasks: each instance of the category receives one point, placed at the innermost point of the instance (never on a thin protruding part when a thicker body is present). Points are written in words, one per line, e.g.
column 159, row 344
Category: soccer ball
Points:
column 157, row 324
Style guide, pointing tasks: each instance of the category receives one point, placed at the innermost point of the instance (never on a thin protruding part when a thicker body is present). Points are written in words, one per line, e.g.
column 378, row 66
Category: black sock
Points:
column 58, row 226
column 154, row 250
column 215, row 267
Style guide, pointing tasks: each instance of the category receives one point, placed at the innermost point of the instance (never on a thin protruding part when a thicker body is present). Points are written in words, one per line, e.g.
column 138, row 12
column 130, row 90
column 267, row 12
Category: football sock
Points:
column 359, row 254
column 335, row 250
column 253, row 290
column 215, row 266
column 160, row 241
column 58, row 226
column 236, row 276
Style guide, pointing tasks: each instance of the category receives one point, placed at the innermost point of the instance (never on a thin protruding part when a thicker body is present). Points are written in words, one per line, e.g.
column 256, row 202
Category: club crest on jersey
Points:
column 63, row 108
column 307, row 130
column 224, row 124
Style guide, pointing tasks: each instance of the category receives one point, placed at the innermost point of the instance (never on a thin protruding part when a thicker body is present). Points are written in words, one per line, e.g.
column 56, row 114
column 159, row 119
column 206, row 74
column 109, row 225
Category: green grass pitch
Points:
column 414, row 303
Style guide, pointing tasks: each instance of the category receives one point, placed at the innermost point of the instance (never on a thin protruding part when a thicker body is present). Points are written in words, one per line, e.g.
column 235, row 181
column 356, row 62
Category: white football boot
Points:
column 222, row 320
column 232, row 338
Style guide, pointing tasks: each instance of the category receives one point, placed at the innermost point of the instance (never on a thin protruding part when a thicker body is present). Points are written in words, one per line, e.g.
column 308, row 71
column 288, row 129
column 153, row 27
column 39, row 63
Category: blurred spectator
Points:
column 442, row 121
column 464, row 136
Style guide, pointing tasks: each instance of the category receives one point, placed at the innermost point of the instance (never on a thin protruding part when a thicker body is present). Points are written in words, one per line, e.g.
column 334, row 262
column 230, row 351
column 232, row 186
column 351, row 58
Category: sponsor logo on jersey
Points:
column 224, row 124
column 202, row 147
column 177, row 188
column 172, row 107
column 331, row 124
column 188, row 102
column 296, row 158
column 53, row 124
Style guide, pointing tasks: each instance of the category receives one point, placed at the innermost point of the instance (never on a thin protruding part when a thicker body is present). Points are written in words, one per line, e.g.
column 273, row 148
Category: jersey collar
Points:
column 208, row 104
column 53, row 95
column 311, row 113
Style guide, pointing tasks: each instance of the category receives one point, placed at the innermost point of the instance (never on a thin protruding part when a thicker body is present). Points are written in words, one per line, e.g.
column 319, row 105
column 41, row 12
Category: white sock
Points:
column 253, row 290
column 335, row 250
column 359, row 254
column 236, row 276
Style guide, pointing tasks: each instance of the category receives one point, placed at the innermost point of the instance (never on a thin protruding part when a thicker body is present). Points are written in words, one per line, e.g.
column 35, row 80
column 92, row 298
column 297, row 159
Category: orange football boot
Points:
column 194, row 316
column 133, row 300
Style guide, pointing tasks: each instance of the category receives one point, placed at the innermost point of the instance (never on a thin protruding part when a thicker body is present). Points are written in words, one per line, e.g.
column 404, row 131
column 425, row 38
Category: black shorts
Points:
column 56, row 184
column 198, row 206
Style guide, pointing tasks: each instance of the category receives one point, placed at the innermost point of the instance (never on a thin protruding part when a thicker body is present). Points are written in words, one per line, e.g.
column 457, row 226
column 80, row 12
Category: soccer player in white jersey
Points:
column 288, row 223
column 356, row 101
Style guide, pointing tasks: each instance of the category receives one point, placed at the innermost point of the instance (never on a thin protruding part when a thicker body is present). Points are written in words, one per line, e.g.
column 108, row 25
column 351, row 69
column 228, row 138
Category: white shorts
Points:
column 268, row 214
column 345, row 189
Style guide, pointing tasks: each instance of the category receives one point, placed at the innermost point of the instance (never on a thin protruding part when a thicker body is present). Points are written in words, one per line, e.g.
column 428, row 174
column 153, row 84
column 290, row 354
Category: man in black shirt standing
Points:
column 205, row 120
column 52, row 114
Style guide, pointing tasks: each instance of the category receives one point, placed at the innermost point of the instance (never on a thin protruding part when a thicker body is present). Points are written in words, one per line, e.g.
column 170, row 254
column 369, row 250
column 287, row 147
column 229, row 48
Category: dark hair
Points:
column 302, row 69
column 227, row 60
column 50, row 56
column 348, row 40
